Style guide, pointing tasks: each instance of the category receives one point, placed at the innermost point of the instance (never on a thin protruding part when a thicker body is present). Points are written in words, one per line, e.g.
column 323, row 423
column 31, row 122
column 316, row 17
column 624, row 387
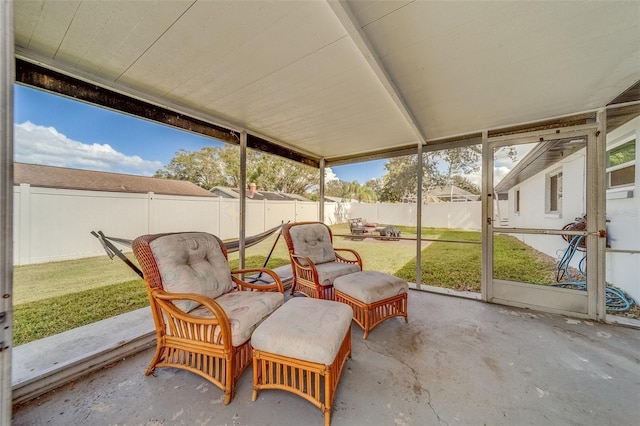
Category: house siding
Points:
column 623, row 228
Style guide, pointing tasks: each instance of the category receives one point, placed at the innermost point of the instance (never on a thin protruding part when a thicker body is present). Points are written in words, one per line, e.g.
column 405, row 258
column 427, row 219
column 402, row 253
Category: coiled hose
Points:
column 616, row 299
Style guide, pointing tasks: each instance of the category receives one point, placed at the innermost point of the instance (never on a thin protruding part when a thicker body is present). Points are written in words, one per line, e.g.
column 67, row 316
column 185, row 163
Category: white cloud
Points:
column 502, row 163
column 329, row 175
column 501, row 159
column 475, row 178
column 45, row 145
column 499, row 173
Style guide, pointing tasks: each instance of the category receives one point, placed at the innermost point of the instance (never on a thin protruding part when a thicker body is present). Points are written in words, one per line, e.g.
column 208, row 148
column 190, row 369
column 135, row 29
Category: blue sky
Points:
column 53, row 130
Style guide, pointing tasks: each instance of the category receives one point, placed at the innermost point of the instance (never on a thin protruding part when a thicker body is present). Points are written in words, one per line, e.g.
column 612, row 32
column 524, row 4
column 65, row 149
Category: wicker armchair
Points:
column 314, row 260
column 204, row 314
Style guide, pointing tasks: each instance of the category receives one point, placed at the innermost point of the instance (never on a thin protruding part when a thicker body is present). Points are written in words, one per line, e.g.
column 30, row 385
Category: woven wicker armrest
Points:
column 307, row 271
column 164, row 301
column 353, row 253
column 244, row 286
column 210, row 303
column 302, row 262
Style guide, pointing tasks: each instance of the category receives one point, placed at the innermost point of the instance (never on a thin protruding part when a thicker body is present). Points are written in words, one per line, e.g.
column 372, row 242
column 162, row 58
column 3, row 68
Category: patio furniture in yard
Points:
column 374, row 297
column 390, row 233
column 359, row 226
column 356, row 226
column 302, row 348
column 204, row 314
column 314, row 260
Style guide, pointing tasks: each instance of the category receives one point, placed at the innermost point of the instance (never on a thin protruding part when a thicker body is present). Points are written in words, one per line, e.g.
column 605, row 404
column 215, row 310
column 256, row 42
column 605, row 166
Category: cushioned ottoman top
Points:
column 370, row 286
column 306, row 329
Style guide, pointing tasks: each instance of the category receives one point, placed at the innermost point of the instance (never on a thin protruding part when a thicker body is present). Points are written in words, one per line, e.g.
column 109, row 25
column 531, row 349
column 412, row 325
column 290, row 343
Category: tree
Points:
column 336, row 188
column 205, row 168
column 220, row 166
column 438, row 169
column 351, row 191
column 272, row 173
column 361, row 193
column 466, row 184
column 375, row 185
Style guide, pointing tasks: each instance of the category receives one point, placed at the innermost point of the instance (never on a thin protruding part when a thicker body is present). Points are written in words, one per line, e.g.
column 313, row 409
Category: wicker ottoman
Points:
column 374, row 297
column 302, row 348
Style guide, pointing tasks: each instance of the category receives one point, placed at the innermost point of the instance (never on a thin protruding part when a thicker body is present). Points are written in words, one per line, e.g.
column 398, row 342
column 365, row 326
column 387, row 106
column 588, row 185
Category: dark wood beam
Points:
column 34, row 75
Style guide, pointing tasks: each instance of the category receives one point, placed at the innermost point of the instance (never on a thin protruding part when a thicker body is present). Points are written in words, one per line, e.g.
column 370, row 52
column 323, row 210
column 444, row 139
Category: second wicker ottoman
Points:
column 374, row 297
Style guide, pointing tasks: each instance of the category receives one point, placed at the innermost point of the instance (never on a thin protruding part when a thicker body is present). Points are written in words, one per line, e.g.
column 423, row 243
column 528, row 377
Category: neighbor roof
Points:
column 227, row 192
column 448, row 191
column 64, row 178
column 337, row 80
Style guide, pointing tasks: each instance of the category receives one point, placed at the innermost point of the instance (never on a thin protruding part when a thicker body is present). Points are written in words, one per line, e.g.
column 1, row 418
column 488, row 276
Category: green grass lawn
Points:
column 53, row 297
column 47, row 303
column 41, row 318
column 458, row 265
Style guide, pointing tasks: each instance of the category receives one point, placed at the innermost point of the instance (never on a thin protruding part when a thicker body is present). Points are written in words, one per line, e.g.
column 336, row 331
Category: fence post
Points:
column 24, row 219
column 265, row 207
column 219, row 215
column 150, row 213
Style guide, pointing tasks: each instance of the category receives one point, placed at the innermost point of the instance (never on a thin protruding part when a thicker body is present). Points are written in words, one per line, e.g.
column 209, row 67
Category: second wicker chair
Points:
column 314, row 260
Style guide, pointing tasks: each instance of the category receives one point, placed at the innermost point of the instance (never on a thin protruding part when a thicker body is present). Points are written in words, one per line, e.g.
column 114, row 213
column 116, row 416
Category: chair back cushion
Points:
column 313, row 241
column 192, row 262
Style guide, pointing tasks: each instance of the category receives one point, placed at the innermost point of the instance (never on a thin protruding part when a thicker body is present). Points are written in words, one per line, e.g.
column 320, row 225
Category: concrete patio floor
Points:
column 457, row 361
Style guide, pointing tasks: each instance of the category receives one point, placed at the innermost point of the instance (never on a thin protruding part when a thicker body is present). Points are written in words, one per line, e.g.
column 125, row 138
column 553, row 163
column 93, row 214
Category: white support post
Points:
column 596, row 177
column 7, row 78
column 243, row 197
column 420, row 172
column 487, row 219
column 322, row 182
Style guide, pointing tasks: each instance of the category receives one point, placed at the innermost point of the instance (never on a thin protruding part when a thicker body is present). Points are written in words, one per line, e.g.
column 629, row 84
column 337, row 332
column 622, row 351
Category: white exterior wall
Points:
column 532, row 205
column 622, row 269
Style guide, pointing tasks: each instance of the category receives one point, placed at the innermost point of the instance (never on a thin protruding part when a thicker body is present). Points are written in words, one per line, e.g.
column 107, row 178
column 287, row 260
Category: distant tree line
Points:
column 220, row 166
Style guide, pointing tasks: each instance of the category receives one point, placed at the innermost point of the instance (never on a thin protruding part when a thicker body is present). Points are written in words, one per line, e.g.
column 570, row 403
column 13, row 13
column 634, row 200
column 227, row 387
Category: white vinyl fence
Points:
column 55, row 224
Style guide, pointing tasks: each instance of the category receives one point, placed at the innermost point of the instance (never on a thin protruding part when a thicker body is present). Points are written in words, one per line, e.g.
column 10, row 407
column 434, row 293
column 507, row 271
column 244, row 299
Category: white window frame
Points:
column 557, row 195
column 628, row 187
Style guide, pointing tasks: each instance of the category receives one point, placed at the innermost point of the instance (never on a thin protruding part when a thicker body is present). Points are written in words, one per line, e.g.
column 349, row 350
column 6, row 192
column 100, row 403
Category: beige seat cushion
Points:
column 370, row 286
column 192, row 262
column 245, row 310
column 328, row 272
column 313, row 241
column 306, row 329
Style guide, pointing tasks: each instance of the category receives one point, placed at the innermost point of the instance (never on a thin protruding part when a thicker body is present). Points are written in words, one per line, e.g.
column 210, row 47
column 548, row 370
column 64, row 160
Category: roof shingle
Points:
column 88, row 180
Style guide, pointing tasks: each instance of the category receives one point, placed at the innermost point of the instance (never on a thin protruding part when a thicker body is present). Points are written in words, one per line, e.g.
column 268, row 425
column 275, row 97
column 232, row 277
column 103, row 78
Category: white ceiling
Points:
column 342, row 79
